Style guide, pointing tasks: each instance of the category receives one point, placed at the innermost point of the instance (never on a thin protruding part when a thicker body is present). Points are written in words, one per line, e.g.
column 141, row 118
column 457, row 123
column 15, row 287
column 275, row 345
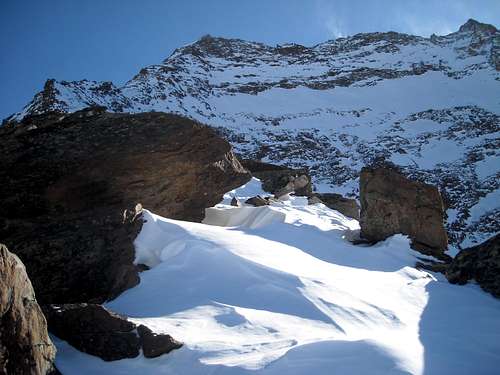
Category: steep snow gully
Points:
column 280, row 290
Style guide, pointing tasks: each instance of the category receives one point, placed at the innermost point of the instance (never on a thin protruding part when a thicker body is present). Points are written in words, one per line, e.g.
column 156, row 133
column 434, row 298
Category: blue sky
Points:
column 114, row 39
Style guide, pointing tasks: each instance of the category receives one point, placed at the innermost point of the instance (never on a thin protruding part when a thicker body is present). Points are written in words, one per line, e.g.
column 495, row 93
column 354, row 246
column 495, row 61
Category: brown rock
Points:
column 391, row 203
column 154, row 345
column 347, row 207
column 257, row 201
column 294, row 184
column 70, row 187
column 275, row 177
column 25, row 346
column 480, row 263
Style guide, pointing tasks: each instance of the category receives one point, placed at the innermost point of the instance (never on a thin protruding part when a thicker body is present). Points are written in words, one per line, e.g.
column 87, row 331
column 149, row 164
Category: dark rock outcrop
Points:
column 97, row 331
column 391, row 203
column 275, row 178
column 154, row 345
column 346, row 206
column 94, row 330
column 25, row 346
column 257, row 201
column 480, row 263
column 71, row 185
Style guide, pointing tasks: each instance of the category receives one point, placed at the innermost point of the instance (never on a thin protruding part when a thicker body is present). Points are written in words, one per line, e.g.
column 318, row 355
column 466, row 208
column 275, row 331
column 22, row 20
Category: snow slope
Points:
column 279, row 290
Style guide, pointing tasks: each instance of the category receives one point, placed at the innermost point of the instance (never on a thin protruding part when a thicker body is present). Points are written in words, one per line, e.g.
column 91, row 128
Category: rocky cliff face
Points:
column 336, row 107
column 25, row 346
column 73, row 188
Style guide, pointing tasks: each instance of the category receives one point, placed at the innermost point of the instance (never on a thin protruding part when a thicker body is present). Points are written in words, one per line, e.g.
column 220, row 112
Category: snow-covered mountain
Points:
column 430, row 105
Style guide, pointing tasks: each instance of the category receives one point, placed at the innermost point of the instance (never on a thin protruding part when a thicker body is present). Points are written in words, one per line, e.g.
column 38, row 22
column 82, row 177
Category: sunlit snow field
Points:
column 280, row 290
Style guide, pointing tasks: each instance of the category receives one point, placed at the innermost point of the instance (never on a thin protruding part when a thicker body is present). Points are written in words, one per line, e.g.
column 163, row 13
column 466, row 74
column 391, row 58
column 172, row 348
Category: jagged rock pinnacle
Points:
column 475, row 26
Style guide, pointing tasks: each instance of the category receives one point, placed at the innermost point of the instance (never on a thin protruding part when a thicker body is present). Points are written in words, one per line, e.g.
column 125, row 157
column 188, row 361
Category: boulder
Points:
column 257, row 201
column 71, row 185
column 276, row 177
column 347, row 207
column 95, row 330
column 391, row 203
column 480, row 263
column 294, row 184
column 25, row 346
column 154, row 345
column 235, row 202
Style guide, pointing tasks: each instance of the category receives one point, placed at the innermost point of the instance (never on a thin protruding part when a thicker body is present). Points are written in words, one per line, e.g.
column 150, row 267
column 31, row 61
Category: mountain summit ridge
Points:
column 475, row 26
column 117, row 99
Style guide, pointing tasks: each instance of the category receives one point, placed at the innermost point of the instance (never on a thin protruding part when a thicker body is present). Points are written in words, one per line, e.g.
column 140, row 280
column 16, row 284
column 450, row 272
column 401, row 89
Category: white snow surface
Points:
column 280, row 290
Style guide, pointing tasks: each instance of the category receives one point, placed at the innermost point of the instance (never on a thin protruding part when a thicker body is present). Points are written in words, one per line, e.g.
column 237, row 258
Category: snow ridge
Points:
column 279, row 290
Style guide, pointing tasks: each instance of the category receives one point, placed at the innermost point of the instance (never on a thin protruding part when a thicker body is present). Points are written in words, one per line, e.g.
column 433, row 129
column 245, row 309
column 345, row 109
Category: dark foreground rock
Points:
column 95, row 330
column 391, row 203
column 257, row 201
column 154, row 345
column 480, row 263
column 25, row 346
column 346, row 206
column 279, row 180
column 71, row 185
